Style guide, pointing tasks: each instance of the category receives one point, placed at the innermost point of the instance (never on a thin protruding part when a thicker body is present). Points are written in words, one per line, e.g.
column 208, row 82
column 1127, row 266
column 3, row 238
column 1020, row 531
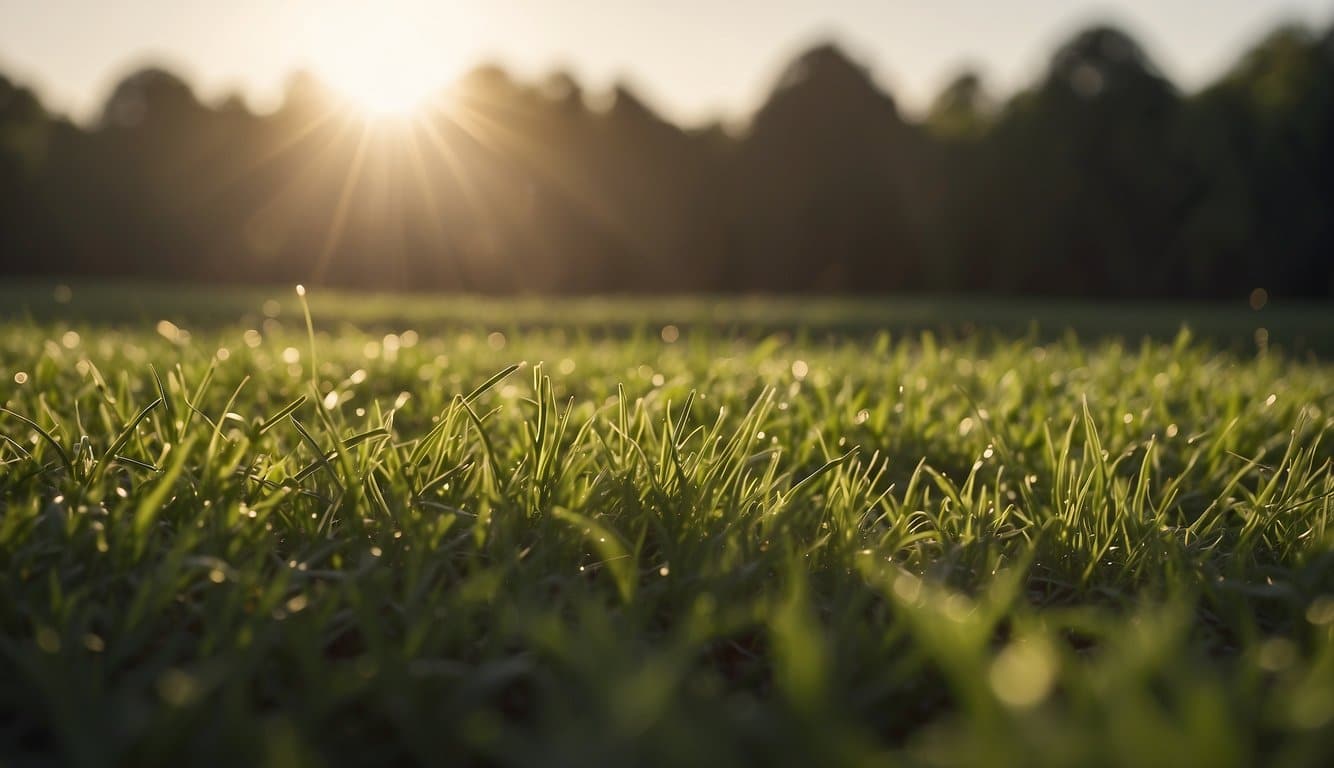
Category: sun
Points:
column 386, row 94
column 382, row 65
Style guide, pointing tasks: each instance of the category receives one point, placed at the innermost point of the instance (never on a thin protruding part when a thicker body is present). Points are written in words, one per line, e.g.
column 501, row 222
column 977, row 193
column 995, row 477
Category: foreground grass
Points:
column 242, row 547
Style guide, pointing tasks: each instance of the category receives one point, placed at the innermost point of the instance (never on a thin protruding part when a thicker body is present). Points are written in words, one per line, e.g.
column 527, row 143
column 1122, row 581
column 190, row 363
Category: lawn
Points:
column 688, row 532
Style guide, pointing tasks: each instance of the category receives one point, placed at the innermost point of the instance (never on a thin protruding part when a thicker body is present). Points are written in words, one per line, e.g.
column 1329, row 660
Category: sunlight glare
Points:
column 383, row 66
column 387, row 93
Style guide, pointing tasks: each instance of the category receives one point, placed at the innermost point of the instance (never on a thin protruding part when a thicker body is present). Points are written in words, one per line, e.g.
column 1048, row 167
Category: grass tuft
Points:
column 715, row 551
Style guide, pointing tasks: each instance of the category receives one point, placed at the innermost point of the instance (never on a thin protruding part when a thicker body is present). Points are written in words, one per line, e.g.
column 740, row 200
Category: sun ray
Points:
column 276, row 205
column 502, row 210
column 471, row 195
column 432, row 203
column 500, row 138
column 240, row 171
column 344, row 201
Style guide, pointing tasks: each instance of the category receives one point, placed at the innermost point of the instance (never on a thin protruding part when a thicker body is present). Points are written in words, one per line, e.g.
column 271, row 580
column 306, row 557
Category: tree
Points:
column 1099, row 180
column 1086, row 185
column 1261, row 140
column 24, row 145
column 822, row 184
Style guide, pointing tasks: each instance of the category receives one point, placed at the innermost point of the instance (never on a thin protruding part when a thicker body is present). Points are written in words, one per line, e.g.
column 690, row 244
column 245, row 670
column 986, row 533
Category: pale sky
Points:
column 691, row 59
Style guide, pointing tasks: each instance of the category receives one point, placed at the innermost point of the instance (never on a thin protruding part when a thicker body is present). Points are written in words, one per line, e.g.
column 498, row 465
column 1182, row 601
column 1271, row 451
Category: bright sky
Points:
column 692, row 59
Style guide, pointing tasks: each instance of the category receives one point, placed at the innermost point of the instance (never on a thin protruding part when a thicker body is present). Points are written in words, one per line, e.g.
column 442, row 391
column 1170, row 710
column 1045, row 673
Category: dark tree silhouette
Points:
column 25, row 143
column 1083, row 182
column 1101, row 179
column 1262, row 142
column 823, row 184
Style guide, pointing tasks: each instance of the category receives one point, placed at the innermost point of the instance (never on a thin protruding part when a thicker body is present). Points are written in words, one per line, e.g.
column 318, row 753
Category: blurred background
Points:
column 1130, row 149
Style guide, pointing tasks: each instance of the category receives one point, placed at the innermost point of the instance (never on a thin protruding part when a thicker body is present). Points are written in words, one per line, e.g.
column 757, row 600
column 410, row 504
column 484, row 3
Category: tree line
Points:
column 1101, row 179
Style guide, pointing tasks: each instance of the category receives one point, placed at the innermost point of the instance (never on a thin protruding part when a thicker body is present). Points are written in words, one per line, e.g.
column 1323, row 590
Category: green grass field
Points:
column 666, row 533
